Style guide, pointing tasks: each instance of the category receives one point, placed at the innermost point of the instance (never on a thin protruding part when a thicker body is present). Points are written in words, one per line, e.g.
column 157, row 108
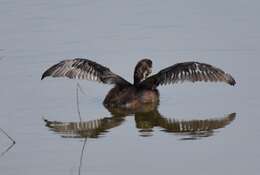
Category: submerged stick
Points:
column 79, row 88
column 77, row 101
column 5, row 133
column 10, row 138
column 81, row 155
column 80, row 119
column 3, row 153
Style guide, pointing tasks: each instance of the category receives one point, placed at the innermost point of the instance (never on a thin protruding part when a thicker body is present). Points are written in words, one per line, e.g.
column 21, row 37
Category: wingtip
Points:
column 45, row 120
column 231, row 116
column 231, row 80
column 44, row 75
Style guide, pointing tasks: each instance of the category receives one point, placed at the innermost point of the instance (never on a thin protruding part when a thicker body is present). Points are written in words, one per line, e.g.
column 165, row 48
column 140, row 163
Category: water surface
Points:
column 37, row 34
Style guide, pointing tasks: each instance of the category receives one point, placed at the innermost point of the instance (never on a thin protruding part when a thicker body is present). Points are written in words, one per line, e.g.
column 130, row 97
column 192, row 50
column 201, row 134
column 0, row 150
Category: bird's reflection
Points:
column 147, row 117
column 146, row 120
column 87, row 129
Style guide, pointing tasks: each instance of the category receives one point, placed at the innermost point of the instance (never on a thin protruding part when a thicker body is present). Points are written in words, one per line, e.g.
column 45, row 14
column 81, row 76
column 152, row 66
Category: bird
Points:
column 143, row 90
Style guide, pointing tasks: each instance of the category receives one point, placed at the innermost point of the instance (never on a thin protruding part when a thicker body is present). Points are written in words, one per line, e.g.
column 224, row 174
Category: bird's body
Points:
column 144, row 89
column 131, row 97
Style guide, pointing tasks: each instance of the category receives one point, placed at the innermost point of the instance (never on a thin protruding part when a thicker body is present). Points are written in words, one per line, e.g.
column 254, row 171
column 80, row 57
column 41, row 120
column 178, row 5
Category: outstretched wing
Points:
column 80, row 68
column 188, row 71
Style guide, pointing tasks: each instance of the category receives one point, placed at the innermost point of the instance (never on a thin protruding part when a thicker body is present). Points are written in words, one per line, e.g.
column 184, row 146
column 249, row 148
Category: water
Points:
column 37, row 34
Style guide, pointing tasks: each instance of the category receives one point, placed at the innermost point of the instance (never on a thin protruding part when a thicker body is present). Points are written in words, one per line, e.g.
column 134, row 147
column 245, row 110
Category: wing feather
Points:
column 80, row 68
column 188, row 71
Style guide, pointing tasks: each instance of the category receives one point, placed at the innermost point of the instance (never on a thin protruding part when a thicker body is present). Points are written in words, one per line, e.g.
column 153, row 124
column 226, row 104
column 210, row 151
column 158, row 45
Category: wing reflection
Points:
column 88, row 129
column 146, row 120
column 194, row 129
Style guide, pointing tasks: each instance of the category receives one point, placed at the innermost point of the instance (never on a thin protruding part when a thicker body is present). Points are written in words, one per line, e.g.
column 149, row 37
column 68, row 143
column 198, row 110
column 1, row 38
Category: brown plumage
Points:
column 144, row 89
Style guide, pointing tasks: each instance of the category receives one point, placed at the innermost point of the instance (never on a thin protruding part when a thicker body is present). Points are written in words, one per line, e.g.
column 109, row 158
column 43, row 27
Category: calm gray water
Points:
column 37, row 34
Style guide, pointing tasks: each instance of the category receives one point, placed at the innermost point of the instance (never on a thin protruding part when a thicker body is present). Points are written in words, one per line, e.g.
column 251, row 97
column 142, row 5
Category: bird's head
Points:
column 142, row 70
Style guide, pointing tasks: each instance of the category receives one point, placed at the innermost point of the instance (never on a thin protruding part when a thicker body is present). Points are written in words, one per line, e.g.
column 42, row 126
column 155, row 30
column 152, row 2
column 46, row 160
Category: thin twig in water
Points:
column 81, row 155
column 9, row 137
column 81, row 89
column 5, row 133
column 77, row 100
column 3, row 153
column 80, row 118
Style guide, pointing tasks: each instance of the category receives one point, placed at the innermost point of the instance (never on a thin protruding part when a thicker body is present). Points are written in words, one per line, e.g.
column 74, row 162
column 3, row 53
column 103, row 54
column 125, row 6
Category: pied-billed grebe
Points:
column 144, row 89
